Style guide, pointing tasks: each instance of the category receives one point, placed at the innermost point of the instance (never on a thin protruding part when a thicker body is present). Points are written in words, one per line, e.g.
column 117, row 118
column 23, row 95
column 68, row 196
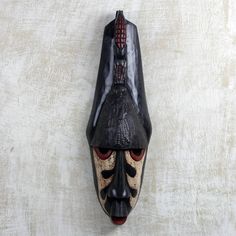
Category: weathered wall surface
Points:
column 49, row 57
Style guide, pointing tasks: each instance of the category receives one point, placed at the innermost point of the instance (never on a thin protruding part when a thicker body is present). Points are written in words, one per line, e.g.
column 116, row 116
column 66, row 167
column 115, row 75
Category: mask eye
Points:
column 103, row 153
column 137, row 154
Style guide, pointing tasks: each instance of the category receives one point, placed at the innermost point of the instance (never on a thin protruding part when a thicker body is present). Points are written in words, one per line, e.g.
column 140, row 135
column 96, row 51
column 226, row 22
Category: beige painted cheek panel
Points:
column 101, row 165
column 135, row 182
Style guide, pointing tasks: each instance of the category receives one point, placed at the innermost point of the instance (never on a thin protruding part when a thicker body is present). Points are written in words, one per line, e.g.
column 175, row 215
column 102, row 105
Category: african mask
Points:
column 119, row 127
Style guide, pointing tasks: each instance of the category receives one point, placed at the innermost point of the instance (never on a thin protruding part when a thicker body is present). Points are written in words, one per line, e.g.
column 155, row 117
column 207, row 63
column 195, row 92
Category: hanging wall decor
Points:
column 119, row 127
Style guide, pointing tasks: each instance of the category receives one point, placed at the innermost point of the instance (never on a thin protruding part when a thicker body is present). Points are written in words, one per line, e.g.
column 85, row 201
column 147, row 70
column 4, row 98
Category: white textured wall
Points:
column 49, row 56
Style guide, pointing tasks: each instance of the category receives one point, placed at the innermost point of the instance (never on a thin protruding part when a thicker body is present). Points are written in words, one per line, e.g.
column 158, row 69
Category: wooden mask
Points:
column 119, row 127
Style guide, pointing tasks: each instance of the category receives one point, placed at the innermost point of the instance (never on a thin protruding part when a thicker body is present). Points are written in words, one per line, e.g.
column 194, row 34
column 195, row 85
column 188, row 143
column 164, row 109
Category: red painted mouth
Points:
column 118, row 220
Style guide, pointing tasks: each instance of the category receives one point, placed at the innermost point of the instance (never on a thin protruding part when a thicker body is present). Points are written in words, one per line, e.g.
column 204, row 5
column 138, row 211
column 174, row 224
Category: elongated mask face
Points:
column 119, row 127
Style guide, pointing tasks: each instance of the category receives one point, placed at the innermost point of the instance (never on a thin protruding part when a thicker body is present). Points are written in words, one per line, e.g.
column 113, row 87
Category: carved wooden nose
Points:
column 119, row 188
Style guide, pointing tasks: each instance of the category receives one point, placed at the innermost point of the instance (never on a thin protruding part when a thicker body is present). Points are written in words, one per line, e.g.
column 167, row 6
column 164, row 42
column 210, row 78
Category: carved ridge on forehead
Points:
column 120, row 30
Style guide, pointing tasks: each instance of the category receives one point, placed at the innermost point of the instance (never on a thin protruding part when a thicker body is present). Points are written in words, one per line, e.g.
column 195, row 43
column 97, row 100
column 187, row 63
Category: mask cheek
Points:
column 135, row 182
column 101, row 165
